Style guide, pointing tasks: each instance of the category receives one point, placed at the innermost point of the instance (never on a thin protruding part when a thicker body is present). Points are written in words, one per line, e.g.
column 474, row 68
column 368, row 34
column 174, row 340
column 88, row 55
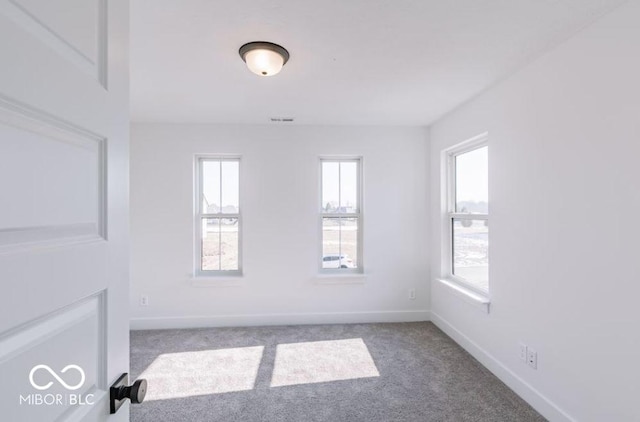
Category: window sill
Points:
column 219, row 281
column 337, row 278
column 478, row 300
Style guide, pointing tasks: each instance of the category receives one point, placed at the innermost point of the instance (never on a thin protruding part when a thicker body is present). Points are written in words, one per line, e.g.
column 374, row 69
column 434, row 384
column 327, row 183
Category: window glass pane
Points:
column 471, row 184
column 229, row 244
column 349, row 187
column 210, row 186
column 349, row 242
column 230, row 186
column 330, row 242
column 471, row 252
column 210, row 244
column 330, row 186
column 339, row 242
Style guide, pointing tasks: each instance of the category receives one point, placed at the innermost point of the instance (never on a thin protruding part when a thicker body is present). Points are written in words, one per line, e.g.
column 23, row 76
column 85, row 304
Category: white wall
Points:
column 280, row 200
column 564, row 167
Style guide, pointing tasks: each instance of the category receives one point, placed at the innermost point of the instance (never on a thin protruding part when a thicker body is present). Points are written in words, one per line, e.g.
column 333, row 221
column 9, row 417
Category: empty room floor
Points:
column 352, row 372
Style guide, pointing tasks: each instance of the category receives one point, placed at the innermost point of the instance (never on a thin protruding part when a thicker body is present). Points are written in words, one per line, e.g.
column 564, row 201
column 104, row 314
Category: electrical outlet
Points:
column 523, row 352
column 532, row 358
column 144, row 300
column 412, row 294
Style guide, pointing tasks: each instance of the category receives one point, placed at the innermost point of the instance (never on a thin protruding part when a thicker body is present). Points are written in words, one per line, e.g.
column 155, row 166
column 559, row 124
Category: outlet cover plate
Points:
column 532, row 358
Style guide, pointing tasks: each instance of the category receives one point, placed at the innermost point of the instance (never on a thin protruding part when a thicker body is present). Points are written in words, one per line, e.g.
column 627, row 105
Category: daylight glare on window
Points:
column 471, row 252
column 340, row 186
column 472, row 184
column 470, row 218
column 220, row 181
column 230, row 191
column 210, row 187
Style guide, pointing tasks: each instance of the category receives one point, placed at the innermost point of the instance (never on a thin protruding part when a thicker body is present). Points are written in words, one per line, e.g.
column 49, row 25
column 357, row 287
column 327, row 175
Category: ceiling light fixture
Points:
column 264, row 58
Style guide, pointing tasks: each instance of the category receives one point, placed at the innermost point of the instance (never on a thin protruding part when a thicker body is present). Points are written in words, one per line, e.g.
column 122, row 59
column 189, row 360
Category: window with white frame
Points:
column 468, row 214
column 218, row 216
column 341, row 214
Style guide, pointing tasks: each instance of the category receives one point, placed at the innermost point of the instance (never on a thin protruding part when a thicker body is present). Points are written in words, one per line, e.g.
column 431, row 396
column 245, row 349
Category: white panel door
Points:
column 64, row 125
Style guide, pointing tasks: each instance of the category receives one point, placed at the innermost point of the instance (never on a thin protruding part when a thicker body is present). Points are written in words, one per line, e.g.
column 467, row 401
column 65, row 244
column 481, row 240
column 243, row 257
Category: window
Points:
column 218, row 216
column 468, row 215
column 341, row 215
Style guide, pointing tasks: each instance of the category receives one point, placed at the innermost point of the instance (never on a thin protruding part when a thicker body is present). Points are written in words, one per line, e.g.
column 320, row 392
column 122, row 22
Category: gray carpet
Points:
column 351, row 373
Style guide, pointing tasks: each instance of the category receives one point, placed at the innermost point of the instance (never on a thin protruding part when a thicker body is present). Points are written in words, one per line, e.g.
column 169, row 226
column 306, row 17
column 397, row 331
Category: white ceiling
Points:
column 386, row 62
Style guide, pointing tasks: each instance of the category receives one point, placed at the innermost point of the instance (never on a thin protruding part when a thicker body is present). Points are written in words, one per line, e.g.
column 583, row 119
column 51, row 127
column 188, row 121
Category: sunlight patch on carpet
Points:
column 322, row 361
column 186, row 374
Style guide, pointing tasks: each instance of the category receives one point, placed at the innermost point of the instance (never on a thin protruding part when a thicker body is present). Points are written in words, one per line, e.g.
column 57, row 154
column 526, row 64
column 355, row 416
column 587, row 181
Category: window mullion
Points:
column 453, row 191
column 467, row 216
column 200, row 185
column 339, row 242
column 339, row 186
column 220, row 222
column 219, row 244
column 229, row 215
column 338, row 215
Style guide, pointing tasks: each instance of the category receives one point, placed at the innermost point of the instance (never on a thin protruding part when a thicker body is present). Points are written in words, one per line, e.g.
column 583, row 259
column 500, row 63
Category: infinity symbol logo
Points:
column 60, row 380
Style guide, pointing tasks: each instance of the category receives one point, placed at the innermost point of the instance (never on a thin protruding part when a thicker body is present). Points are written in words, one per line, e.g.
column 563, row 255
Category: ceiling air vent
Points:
column 281, row 119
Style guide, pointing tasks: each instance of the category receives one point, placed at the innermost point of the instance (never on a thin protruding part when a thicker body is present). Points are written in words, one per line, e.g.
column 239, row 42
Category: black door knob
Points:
column 120, row 391
column 134, row 392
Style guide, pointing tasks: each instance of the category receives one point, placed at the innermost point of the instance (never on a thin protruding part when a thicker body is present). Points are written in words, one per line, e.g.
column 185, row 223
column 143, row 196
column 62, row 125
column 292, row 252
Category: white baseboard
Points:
column 278, row 319
column 537, row 400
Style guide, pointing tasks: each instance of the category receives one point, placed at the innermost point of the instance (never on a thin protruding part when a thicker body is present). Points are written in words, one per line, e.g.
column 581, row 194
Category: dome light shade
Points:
column 264, row 58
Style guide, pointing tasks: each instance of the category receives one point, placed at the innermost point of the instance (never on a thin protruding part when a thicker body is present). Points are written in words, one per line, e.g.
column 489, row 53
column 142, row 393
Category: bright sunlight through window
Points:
column 322, row 361
column 341, row 212
column 469, row 216
column 218, row 220
column 187, row 374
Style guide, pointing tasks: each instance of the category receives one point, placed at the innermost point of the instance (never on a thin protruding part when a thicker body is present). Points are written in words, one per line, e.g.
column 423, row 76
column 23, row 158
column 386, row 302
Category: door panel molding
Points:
column 64, row 208
column 92, row 61
column 51, row 131
column 24, row 347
